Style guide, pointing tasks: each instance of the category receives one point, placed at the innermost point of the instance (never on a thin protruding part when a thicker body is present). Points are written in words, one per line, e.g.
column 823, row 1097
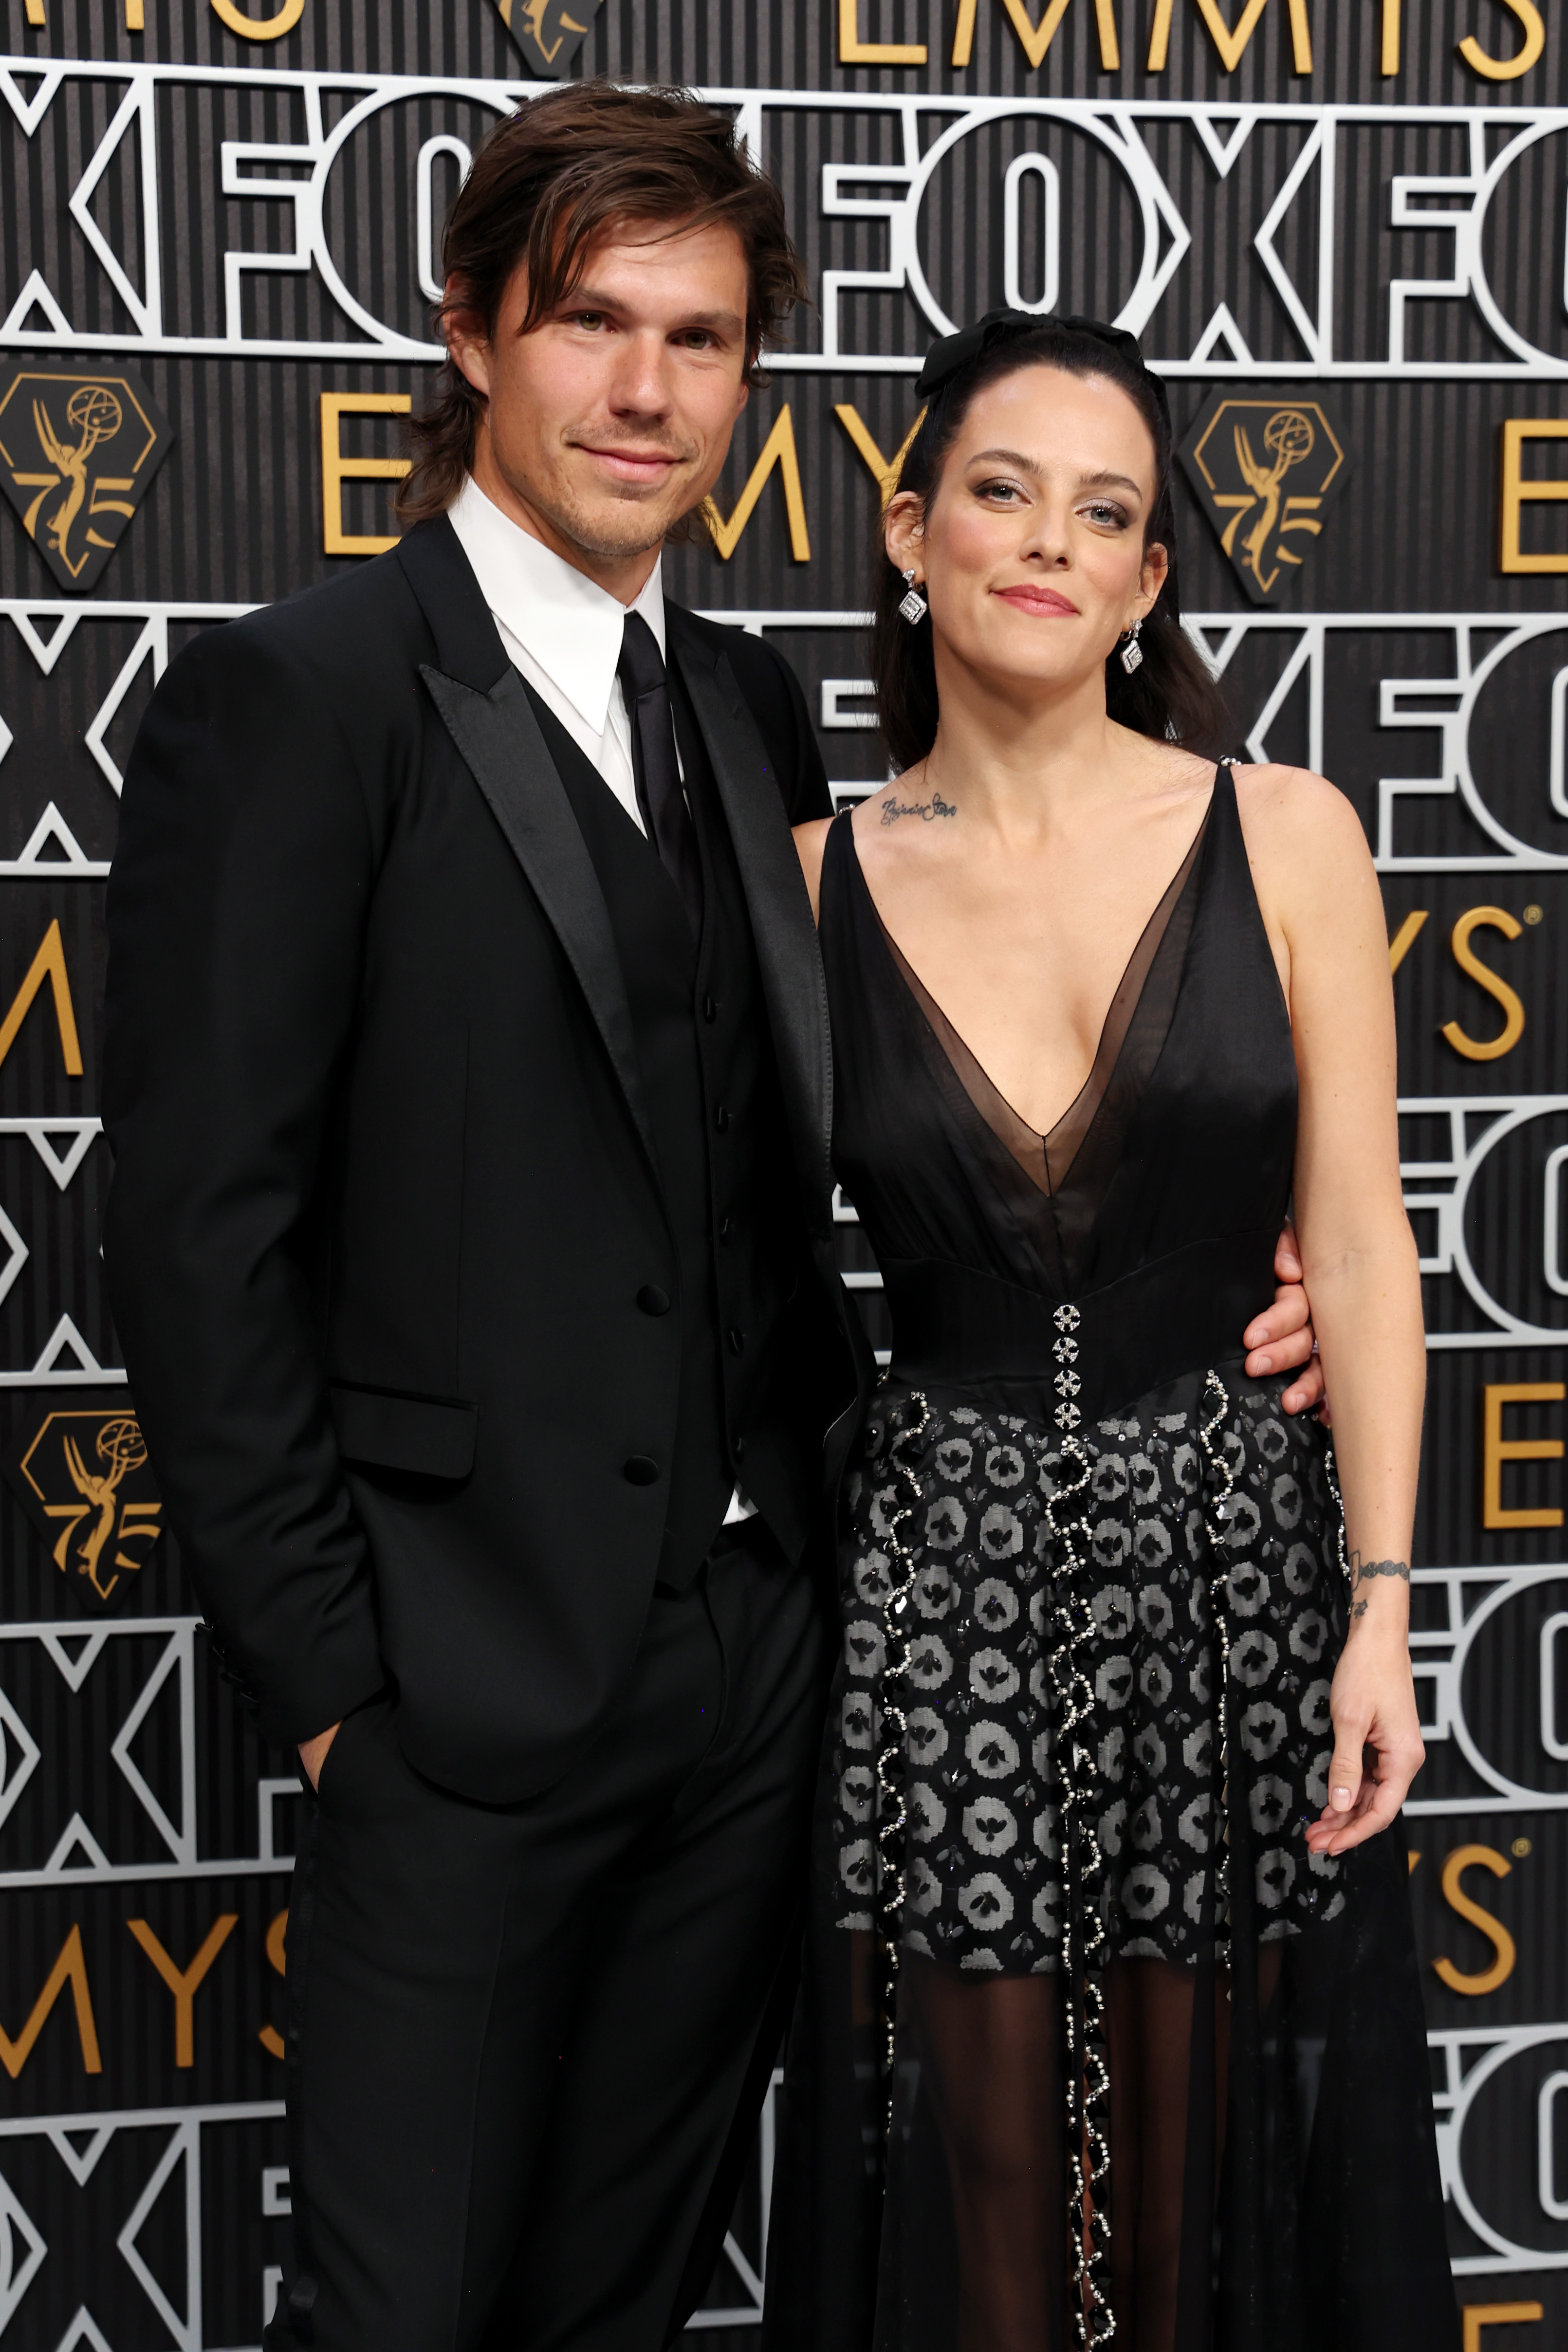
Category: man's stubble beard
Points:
column 626, row 529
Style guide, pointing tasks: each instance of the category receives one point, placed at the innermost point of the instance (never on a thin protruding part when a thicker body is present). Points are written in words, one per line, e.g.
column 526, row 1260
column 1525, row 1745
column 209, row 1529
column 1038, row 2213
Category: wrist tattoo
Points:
column 893, row 808
column 1364, row 1570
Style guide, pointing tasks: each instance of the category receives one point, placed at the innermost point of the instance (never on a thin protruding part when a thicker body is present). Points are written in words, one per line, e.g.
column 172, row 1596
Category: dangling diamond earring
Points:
column 1132, row 652
column 913, row 605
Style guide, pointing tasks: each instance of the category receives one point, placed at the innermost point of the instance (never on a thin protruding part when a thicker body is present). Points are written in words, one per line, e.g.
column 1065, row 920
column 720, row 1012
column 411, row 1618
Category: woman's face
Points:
column 1031, row 552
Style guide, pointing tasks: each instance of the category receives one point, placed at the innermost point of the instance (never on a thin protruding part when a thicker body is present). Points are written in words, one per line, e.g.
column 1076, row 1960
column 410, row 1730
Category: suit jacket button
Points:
column 737, row 1339
column 710, row 1010
column 653, row 1300
column 640, row 1470
column 721, row 1119
column 726, row 1227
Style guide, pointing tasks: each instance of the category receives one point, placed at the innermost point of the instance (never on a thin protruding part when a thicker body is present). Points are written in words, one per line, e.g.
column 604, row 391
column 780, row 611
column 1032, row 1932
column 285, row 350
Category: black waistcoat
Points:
column 712, row 1094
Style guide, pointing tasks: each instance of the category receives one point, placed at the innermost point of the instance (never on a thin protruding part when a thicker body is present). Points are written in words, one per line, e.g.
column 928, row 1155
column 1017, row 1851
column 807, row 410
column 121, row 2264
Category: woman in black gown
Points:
column 1111, row 2027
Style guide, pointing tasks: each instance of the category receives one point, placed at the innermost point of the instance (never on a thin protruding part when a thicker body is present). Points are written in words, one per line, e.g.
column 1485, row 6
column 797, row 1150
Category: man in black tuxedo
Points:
column 471, row 1244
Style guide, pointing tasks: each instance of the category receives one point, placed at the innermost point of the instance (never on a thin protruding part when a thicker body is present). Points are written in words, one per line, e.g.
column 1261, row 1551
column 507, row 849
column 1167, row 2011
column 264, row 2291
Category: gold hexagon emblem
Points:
column 78, row 449
column 1265, row 470
column 83, row 1477
column 549, row 32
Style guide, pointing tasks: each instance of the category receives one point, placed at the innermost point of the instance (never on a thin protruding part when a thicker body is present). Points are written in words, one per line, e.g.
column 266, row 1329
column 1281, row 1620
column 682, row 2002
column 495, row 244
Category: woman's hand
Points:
column 1373, row 1704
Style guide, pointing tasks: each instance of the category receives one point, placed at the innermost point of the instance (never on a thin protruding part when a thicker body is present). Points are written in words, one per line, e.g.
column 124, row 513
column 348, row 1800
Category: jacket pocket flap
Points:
column 424, row 1435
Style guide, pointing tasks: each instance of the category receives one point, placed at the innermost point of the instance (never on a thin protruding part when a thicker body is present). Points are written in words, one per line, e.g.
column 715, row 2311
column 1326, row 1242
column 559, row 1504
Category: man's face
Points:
column 611, row 418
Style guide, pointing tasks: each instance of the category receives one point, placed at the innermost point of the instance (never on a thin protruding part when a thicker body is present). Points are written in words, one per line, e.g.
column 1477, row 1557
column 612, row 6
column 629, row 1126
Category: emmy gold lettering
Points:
column 1490, row 1049
column 1231, row 46
column 1496, row 2314
column 1035, row 39
column 885, row 471
column 259, row 28
column 1390, row 38
column 1405, row 937
column 1508, row 69
column 49, row 964
column 1497, row 1450
column 69, row 1969
column 337, row 469
column 184, row 1983
column 854, row 51
column 1518, row 493
column 269, row 2038
column 778, row 450
column 1504, row 1952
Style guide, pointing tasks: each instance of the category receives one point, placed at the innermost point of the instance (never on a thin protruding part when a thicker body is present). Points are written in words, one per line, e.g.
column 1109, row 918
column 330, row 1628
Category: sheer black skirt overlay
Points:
column 1272, row 2184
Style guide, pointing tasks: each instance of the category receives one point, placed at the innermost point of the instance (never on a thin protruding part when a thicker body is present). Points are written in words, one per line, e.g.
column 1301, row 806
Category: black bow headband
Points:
column 952, row 353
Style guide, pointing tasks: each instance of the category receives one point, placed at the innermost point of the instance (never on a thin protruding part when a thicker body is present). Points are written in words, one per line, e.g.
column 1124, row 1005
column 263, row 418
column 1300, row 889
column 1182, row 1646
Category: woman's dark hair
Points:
column 549, row 182
column 1172, row 695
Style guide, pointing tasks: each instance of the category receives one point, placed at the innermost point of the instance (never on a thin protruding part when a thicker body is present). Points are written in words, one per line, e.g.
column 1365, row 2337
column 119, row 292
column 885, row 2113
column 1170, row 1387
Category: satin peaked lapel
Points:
column 793, row 982
column 502, row 746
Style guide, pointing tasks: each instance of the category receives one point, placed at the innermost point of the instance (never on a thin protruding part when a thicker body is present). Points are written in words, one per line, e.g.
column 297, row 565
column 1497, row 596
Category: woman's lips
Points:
column 1040, row 603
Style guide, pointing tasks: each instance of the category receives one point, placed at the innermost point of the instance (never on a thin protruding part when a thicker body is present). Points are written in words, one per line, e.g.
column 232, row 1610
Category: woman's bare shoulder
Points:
column 1309, row 852
column 810, row 842
column 1296, row 814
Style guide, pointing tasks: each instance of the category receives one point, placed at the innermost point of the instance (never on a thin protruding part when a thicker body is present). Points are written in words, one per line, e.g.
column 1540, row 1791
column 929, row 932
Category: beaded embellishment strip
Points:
column 1085, row 1944
column 892, row 1759
column 1217, row 1490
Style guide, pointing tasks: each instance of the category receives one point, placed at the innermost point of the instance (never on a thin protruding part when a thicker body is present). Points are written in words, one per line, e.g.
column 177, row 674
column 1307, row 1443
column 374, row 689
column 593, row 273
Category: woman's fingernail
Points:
column 1266, row 1364
column 1341, row 1798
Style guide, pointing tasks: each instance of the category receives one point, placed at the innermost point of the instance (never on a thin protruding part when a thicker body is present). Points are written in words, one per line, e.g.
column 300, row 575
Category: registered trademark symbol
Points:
column 1521, row 1846
column 1534, row 913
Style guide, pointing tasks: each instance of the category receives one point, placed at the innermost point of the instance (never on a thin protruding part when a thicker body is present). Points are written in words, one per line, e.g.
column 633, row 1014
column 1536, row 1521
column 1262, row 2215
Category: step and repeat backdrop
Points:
column 1341, row 228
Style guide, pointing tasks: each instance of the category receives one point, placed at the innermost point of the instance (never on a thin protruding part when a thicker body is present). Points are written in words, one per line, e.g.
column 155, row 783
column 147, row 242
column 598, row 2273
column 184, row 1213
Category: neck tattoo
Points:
column 893, row 809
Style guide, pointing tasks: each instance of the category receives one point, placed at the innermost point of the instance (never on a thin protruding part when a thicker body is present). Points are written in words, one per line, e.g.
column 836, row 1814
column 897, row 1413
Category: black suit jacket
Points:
column 384, row 1191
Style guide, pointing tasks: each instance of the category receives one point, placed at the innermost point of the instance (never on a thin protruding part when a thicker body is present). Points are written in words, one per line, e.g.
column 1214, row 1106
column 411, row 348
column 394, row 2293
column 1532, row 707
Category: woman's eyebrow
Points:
column 1008, row 457
column 1097, row 482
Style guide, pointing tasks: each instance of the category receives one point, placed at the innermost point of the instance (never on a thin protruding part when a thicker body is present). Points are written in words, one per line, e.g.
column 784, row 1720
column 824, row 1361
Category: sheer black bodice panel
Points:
column 1154, row 1203
column 1090, row 2047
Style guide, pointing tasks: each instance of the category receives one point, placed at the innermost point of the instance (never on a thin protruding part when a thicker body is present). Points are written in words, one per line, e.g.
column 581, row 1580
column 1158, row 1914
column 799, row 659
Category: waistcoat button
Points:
column 639, row 1470
column 653, row 1300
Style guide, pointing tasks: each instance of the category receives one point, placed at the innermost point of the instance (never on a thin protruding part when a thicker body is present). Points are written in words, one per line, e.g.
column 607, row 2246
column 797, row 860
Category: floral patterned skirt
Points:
column 968, row 1501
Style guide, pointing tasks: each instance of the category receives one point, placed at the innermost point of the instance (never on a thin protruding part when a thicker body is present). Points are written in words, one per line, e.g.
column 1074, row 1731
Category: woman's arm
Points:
column 1316, row 878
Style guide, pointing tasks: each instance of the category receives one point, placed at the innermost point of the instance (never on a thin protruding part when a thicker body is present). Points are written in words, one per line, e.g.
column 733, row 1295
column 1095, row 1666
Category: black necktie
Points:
column 655, row 766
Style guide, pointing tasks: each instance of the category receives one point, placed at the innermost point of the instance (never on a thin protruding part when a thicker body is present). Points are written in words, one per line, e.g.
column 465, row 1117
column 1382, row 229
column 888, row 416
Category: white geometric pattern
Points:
column 867, row 187
column 1474, row 1599
column 71, row 1849
column 21, row 2251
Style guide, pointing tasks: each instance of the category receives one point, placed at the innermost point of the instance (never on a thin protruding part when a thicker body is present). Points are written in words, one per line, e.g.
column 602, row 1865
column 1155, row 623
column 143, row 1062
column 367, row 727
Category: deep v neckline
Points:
column 1049, row 1160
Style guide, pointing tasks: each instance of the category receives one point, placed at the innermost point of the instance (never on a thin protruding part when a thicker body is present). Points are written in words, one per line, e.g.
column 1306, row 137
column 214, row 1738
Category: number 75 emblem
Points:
column 78, row 449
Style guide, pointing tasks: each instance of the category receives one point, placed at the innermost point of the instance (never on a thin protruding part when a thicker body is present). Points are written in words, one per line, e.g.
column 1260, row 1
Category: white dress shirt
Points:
column 561, row 630
column 562, row 633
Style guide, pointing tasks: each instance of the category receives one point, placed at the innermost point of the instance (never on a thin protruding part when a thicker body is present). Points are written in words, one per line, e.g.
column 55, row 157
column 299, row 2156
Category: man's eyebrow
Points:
column 1101, row 480
column 584, row 297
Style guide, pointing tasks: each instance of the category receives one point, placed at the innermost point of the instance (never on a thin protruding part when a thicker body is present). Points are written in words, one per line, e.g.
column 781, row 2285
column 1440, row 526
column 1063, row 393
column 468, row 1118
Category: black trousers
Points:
column 527, row 2042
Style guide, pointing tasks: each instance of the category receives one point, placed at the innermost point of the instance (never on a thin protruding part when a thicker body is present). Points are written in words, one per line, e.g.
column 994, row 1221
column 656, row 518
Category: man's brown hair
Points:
column 547, row 184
